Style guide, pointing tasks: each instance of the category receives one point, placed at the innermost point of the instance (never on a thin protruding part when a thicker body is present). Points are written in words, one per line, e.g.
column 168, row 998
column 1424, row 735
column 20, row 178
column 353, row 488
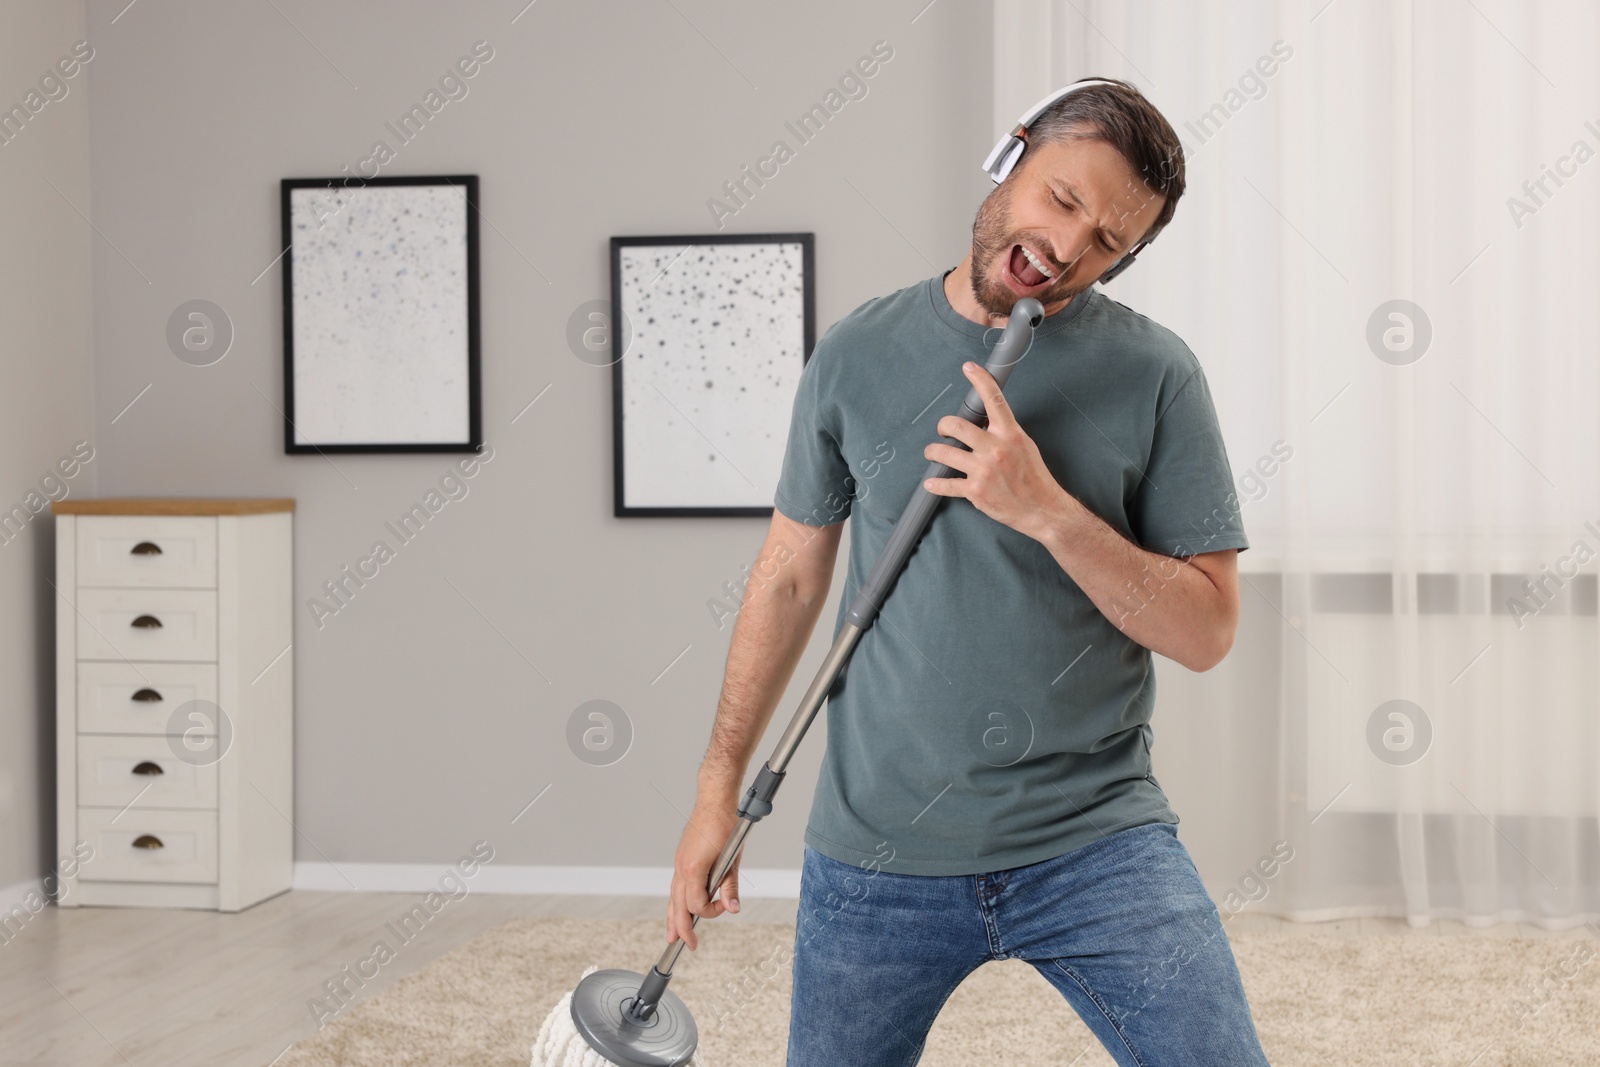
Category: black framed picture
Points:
column 709, row 335
column 380, row 314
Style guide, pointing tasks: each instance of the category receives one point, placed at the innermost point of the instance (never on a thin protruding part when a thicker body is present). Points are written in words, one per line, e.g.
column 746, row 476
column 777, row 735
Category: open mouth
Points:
column 1028, row 272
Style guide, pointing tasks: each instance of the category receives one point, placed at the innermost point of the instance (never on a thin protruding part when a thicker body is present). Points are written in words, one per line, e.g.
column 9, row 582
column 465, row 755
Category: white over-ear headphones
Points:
column 1008, row 151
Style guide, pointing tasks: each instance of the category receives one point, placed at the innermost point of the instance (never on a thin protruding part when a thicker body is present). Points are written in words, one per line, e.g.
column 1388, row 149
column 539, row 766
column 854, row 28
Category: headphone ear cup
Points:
column 1008, row 159
column 1118, row 267
column 1127, row 259
column 1115, row 269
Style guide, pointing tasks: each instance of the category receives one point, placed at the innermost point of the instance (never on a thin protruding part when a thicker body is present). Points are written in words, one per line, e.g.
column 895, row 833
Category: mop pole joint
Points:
column 643, row 1006
column 757, row 803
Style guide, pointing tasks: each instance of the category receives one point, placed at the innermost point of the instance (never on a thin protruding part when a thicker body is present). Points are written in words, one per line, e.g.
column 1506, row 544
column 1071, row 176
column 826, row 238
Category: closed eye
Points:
column 1102, row 241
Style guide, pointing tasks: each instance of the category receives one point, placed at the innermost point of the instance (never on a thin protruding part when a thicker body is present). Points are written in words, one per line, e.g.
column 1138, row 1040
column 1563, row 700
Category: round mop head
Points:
column 587, row 1028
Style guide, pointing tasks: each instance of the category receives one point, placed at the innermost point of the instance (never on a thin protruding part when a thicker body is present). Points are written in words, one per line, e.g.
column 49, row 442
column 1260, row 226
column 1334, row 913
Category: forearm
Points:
column 769, row 637
column 1157, row 600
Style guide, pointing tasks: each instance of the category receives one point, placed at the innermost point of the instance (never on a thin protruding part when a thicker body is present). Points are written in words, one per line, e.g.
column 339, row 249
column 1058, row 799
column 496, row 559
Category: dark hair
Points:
column 1120, row 115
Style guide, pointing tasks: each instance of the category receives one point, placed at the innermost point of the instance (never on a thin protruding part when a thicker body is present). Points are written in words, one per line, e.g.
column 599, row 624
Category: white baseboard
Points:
column 755, row 882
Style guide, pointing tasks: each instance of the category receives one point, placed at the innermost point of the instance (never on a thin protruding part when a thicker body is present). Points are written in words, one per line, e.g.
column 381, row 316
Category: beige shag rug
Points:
column 1317, row 999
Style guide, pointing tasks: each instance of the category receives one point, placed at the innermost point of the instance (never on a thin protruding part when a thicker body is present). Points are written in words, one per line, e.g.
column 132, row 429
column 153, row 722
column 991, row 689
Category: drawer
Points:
column 120, row 698
column 154, row 624
column 147, row 551
column 149, row 846
column 145, row 772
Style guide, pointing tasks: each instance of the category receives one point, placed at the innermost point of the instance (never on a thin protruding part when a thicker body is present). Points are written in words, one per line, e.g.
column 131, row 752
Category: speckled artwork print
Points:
column 380, row 315
column 709, row 379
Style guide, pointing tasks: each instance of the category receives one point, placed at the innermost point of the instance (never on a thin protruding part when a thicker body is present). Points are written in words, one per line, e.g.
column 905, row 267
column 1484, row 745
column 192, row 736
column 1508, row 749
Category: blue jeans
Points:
column 1122, row 927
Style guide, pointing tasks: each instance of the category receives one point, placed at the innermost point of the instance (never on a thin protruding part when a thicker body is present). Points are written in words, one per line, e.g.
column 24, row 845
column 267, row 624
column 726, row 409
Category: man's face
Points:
column 1075, row 207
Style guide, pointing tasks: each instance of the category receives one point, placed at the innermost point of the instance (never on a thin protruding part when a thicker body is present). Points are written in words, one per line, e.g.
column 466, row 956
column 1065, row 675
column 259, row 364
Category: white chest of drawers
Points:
column 175, row 701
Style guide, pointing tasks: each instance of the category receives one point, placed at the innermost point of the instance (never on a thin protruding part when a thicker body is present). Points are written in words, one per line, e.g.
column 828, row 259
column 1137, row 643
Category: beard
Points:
column 992, row 240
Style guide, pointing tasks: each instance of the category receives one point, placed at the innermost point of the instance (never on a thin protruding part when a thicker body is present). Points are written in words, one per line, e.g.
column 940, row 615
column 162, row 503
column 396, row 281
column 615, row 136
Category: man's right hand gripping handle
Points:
column 714, row 816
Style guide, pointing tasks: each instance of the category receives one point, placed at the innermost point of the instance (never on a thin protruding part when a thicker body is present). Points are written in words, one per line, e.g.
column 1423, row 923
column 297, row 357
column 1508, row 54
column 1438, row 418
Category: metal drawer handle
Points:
column 147, row 622
column 147, row 696
column 146, row 548
column 148, row 841
column 148, row 768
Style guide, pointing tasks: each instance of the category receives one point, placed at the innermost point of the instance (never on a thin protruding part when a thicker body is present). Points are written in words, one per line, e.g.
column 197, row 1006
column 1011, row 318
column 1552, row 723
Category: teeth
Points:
column 1040, row 267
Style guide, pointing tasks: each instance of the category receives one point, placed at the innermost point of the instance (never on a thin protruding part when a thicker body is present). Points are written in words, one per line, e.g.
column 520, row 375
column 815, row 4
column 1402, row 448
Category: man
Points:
column 986, row 789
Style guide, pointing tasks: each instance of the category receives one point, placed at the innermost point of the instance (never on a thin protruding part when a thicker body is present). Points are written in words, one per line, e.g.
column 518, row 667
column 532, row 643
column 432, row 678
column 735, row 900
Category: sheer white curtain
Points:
column 1388, row 261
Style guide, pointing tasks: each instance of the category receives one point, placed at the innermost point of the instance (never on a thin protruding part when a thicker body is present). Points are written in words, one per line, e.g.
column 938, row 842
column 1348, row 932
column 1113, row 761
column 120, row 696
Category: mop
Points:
column 618, row 1018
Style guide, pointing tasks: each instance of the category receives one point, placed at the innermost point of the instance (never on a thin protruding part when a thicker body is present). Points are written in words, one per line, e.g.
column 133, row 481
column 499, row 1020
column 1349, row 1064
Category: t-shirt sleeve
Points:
column 1186, row 504
column 815, row 484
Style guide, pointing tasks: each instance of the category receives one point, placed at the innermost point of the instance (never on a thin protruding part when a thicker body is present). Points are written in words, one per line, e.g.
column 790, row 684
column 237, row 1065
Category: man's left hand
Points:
column 1006, row 477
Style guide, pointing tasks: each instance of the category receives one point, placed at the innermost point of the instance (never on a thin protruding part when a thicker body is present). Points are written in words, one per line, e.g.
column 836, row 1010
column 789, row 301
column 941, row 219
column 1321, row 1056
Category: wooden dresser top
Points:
column 173, row 506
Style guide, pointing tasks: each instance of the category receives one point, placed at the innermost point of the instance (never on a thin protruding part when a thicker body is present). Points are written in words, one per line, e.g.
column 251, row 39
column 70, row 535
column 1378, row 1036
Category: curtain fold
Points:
column 1387, row 260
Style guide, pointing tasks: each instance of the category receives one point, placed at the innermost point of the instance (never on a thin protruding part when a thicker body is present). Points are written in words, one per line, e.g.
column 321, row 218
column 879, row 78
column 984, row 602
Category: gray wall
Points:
column 45, row 402
column 423, row 724
column 432, row 708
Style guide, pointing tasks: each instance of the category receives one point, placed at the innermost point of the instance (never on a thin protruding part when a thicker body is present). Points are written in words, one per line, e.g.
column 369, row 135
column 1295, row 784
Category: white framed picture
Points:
column 380, row 306
column 709, row 336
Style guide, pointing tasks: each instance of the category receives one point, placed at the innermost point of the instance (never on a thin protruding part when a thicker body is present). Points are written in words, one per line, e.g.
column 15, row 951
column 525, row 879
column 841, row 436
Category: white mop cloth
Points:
column 560, row 1045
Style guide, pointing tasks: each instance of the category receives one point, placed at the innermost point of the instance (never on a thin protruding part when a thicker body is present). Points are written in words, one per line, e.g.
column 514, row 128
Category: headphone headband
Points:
column 1060, row 94
column 1003, row 159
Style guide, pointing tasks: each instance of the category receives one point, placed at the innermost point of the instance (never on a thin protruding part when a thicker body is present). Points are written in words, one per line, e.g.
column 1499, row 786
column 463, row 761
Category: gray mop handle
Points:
column 1026, row 314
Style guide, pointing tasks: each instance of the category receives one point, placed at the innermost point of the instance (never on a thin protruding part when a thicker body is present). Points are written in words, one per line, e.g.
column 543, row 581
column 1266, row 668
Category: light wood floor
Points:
column 116, row 987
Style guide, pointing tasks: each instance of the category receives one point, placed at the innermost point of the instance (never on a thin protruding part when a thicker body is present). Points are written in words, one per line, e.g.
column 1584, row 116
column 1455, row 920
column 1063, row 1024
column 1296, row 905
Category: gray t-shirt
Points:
column 992, row 716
